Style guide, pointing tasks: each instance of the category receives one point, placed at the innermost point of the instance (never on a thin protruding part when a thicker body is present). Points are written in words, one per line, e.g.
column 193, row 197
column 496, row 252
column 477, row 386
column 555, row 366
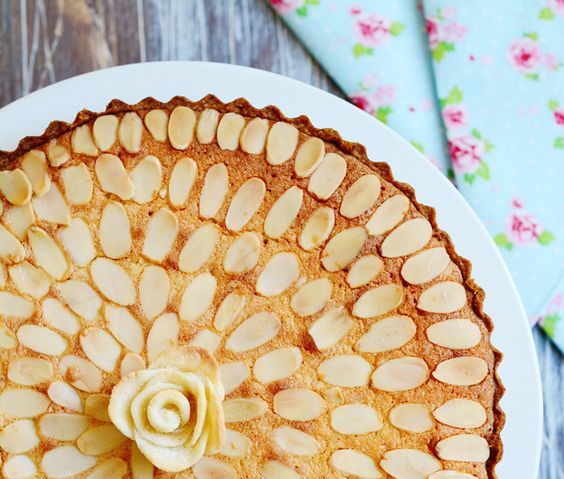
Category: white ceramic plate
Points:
column 519, row 370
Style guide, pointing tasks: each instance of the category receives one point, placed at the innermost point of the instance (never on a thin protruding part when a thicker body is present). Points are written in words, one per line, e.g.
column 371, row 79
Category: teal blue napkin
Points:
column 479, row 88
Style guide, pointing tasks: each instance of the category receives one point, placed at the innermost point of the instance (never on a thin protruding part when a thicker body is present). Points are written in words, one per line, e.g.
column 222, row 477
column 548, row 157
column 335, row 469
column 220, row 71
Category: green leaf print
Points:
column 532, row 76
column 396, row 28
column 418, row 146
column 559, row 142
column 454, row 96
column 546, row 237
column 441, row 50
column 312, row 2
column 469, row 178
column 359, row 50
column 489, row 146
column 483, row 171
column 549, row 323
column 532, row 35
column 450, row 174
column 302, row 11
column 546, row 14
column 476, row 134
column 552, row 105
column 502, row 241
column 383, row 112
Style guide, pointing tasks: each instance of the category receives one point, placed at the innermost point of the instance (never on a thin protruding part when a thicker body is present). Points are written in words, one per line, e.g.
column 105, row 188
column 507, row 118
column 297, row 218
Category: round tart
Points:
column 208, row 290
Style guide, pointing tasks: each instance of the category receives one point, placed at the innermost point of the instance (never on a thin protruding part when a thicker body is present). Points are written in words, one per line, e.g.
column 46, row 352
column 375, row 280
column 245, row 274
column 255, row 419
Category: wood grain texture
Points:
column 43, row 41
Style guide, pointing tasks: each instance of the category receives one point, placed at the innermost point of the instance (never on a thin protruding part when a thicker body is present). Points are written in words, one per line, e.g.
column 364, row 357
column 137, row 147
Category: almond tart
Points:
column 208, row 290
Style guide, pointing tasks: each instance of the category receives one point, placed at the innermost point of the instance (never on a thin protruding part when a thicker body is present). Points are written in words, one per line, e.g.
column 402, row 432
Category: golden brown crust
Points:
column 303, row 124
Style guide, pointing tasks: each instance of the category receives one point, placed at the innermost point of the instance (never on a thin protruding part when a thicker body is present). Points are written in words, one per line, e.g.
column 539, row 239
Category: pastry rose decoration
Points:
column 173, row 410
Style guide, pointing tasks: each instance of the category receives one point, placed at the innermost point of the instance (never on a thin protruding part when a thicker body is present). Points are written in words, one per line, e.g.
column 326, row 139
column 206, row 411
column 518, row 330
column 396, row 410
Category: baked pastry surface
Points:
column 350, row 338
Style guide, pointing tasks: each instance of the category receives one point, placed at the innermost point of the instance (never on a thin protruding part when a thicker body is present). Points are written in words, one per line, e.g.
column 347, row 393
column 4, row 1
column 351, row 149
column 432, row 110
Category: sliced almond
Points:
column 19, row 467
column 65, row 461
column 113, row 177
column 461, row 413
column 211, row 468
column 233, row 375
column 81, row 373
column 130, row 363
column 409, row 464
column 455, row 334
column 181, row 181
column 243, row 409
column 29, row 280
column 198, row 297
column 400, row 374
column 425, row 266
column 147, row 177
column 364, row 270
column 253, row 137
column 77, row 240
column 181, row 127
column 7, row 338
column 229, row 131
column 243, row 254
column 231, row 306
column 112, row 468
column 328, row 176
column 276, row 470
column 330, row 328
column 156, row 122
column 114, row 231
column 41, row 340
column 389, row 333
column 11, row 250
column 407, row 238
column 96, row 406
column 345, row 370
column 235, row 444
column 154, row 289
column 104, row 131
column 360, row 196
column 63, row 426
column 298, row 404
column 113, row 281
column 245, row 203
column 377, row 301
column 82, row 141
column 34, row 165
column 160, row 235
column 214, row 189
column 283, row 212
column 80, row 298
column 254, row 332
column 64, row 395
column 463, row 448
column 130, row 132
column 163, row 335
column 411, row 417
column 23, row 402
column 125, row 327
column 281, row 143
column 51, row 207
column 388, row 215
column 78, row 184
column 295, row 442
column 461, row 371
column 27, row 371
column 100, row 440
column 317, row 229
column 198, row 248
column 206, row 339
column 355, row 463
column 355, row 419
column 18, row 219
column 280, row 272
column 15, row 186
column 343, row 248
column 58, row 317
column 309, row 156
column 15, row 306
column 451, row 475
column 57, row 154
column 141, row 468
column 312, row 297
column 101, row 348
column 278, row 364
column 18, row 437
column 445, row 297
column 207, row 126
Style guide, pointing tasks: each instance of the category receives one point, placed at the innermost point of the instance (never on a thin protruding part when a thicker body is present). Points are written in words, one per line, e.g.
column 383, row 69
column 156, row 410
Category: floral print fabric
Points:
column 478, row 88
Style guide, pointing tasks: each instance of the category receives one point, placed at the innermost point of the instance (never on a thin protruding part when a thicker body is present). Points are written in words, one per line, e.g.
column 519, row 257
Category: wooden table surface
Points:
column 44, row 41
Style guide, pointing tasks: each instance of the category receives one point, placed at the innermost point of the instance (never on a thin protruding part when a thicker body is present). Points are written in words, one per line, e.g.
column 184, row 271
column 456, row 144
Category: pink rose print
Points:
column 466, row 153
column 527, row 57
column 558, row 114
column 286, row 7
column 375, row 100
column 553, row 315
column 553, row 8
column 454, row 116
column 443, row 32
column 432, row 28
column 371, row 30
column 522, row 229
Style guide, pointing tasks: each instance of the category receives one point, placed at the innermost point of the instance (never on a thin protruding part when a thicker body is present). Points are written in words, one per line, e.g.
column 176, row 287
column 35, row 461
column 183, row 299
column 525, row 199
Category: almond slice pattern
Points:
column 455, row 334
column 76, row 238
column 114, row 231
column 156, row 122
column 425, row 266
column 154, row 290
column 207, row 126
column 355, row 463
column 29, row 280
column 34, row 165
column 160, row 235
column 317, row 229
column 233, row 375
column 63, row 426
column 343, row 248
column 445, row 297
column 82, row 141
column 283, row 212
column 181, row 125
column 65, row 395
column 461, row 413
column 65, row 461
column 78, row 184
column 15, row 306
column 113, row 281
column 18, row 219
column 411, row 417
column 181, row 181
column 407, row 238
column 312, row 297
column 229, row 131
column 280, row 272
column 130, row 132
column 345, row 370
column 11, row 250
column 328, row 176
column 19, row 467
column 211, row 468
column 355, row 419
column 207, row 340
column 243, row 254
column 309, row 156
column 278, row 364
column 276, row 470
column 48, row 255
column 104, row 131
column 254, row 332
column 163, row 335
column 378, row 301
column 330, row 328
column 80, row 298
column 229, row 309
column 198, row 248
column 101, row 348
column 19, row 436
column 298, row 404
column 295, row 442
column 23, row 402
column 400, row 374
column 243, row 409
column 81, row 373
column 146, row 177
column 364, row 270
column 214, row 189
column 388, row 215
column 253, row 137
column 245, row 203
column 28, row 371
column 409, row 464
column 361, row 196
column 15, row 186
column 51, row 207
column 463, row 448
column 113, row 177
column 198, row 297
column 57, row 154
column 42, row 340
column 281, row 143
column 59, row 317
column 461, row 371
column 100, row 440
column 387, row 334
